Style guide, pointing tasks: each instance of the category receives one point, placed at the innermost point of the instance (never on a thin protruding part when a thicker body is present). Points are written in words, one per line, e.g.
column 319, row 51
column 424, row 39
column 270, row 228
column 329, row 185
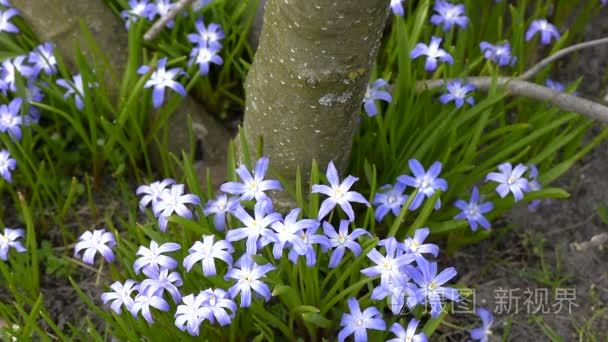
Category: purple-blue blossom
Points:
column 459, row 93
column 388, row 266
column 287, row 233
column 9, row 71
column 408, row 334
column 204, row 55
column 390, row 198
column 473, row 211
column 533, row 185
column 433, row 54
column 339, row 194
column 430, row 284
column 151, row 193
column 341, row 240
column 221, row 206
column 252, row 185
column 309, row 238
column 9, row 239
column 121, row 295
column 546, row 30
column 162, row 78
column 449, row 15
column 374, row 92
column 206, row 252
column 100, row 241
column 7, row 165
column 206, row 35
column 151, row 259
column 218, row 305
column 427, row 182
column 161, row 281
column 138, row 9
column 415, row 245
column 162, row 8
column 144, row 301
column 5, row 17
column 255, row 227
column 510, row 179
column 11, row 119
column 172, row 201
column 74, row 88
column 189, row 315
column 247, row 279
column 499, row 53
column 483, row 333
column 357, row 322
column 33, row 94
column 397, row 7
column 42, row 58
column 400, row 291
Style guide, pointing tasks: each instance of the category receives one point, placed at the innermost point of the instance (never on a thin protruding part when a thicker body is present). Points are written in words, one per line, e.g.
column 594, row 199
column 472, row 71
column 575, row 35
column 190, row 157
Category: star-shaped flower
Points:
column 247, row 277
column 152, row 259
column 162, row 78
column 358, row 322
column 9, row 239
column 510, row 180
column 206, row 252
column 427, row 182
column 433, row 54
column 252, row 186
column 375, row 92
column 473, row 211
column 342, row 240
column 100, row 241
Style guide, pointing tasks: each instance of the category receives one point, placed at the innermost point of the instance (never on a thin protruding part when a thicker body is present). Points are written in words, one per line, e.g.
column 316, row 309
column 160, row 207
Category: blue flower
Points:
column 255, row 228
column 357, row 322
column 206, row 35
column 473, row 210
column 144, row 301
column 152, row 259
column 416, row 246
column 204, row 55
column 162, row 9
column 9, row 71
column 341, row 240
column 42, row 58
column 557, row 86
column 458, row 93
column 482, row 333
column 92, row 242
column 162, row 78
column 160, row 281
column 390, row 198
column 387, row 266
column 338, row 194
column 138, row 9
column 430, row 284
column 433, row 53
column 206, row 252
column 5, row 24
column 449, row 15
column 190, row 314
column 309, row 238
column 74, row 88
column 397, row 7
column 510, row 180
column 288, row 231
column 400, row 290
column 247, row 277
column 215, row 305
column 121, row 295
column 374, row 92
column 499, row 54
column 546, row 29
column 427, row 182
column 32, row 94
column 221, row 206
column 174, row 201
column 7, row 164
column 10, row 118
column 151, row 193
column 409, row 334
column 9, row 239
column 252, row 186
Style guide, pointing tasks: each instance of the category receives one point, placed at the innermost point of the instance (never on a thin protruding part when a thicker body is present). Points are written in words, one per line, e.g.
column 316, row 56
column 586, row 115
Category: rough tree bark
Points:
column 308, row 79
column 57, row 21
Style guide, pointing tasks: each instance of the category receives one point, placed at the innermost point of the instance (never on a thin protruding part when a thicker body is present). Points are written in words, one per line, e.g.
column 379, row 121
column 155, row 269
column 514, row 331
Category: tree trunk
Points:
column 308, row 79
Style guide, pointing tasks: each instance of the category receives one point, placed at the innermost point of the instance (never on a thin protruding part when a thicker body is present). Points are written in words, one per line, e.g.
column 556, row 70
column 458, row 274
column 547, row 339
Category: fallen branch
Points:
column 154, row 31
column 515, row 86
column 521, row 87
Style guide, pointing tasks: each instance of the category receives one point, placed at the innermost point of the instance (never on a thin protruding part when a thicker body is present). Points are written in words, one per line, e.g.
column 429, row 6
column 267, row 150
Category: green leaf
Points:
column 317, row 320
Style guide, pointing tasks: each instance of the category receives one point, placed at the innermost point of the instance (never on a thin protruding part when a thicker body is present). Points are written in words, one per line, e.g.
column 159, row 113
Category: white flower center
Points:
column 341, row 239
column 511, row 180
column 359, row 322
column 204, row 56
column 414, row 245
column 212, row 300
column 391, row 199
